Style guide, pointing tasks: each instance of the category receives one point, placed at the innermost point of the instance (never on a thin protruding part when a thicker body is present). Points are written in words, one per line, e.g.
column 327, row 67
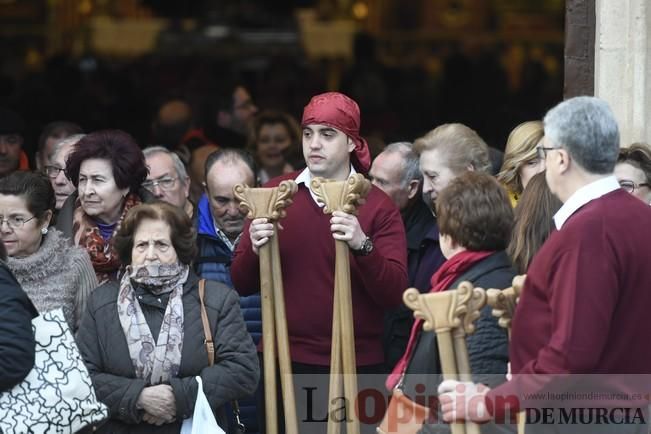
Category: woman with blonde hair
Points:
column 521, row 160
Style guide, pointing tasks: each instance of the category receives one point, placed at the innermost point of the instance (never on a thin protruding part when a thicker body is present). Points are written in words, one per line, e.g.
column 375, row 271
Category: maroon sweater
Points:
column 307, row 252
column 585, row 305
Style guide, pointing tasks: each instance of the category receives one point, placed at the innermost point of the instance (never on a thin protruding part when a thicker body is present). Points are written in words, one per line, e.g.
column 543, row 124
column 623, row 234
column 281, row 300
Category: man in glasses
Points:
column 168, row 180
column 584, row 307
column 56, row 169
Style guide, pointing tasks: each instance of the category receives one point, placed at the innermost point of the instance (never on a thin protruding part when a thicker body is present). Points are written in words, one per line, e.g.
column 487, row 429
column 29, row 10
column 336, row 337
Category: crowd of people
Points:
column 123, row 237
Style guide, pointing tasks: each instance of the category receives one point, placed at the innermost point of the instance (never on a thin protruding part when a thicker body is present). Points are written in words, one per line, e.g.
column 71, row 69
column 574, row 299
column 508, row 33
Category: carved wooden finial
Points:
column 437, row 309
column 518, row 284
column 503, row 303
column 267, row 203
column 344, row 196
column 469, row 304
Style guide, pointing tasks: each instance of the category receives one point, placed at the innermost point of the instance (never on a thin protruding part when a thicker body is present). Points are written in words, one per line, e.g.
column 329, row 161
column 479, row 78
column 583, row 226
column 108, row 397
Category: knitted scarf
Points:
column 102, row 254
column 154, row 361
column 445, row 276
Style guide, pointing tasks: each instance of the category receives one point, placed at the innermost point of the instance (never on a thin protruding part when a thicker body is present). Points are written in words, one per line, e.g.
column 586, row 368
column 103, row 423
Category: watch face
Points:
column 367, row 246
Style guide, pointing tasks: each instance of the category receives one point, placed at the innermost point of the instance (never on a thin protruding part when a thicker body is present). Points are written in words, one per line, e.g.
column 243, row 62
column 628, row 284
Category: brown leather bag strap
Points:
column 210, row 349
column 208, row 342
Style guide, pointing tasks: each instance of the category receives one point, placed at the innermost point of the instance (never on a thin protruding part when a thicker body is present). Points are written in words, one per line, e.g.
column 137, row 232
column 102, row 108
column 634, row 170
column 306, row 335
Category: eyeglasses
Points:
column 165, row 184
column 630, row 186
column 542, row 151
column 53, row 171
column 15, row 222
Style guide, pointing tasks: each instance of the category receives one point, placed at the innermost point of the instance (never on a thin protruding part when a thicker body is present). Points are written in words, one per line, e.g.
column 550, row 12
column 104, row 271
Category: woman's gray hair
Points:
column 181, row 172
column 586, row 127
column 410, row 167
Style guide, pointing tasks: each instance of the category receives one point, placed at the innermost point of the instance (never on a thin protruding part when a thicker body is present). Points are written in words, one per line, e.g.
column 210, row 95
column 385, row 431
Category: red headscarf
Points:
column 339, row 111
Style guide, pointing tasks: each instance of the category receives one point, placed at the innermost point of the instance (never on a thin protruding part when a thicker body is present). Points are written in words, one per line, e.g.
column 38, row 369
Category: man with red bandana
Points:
column 333, row 149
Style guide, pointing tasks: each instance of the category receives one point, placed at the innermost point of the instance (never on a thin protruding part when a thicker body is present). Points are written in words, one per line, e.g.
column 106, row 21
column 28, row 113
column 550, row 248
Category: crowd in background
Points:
column 119, row 233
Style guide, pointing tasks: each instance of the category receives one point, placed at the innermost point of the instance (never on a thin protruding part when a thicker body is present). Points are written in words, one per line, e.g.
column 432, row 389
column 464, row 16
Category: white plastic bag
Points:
column 202, row 420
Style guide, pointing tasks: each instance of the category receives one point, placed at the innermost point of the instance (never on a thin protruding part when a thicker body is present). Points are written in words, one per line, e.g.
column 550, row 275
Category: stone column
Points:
column 623, row 64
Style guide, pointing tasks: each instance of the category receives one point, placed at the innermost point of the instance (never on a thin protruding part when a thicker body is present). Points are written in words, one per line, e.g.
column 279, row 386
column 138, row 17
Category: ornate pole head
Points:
column 344, row 196
column 503, row 303
column 267, row 203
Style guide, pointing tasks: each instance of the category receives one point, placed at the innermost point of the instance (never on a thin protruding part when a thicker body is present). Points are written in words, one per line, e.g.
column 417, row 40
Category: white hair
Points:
column 181, row 172
column 586, row 127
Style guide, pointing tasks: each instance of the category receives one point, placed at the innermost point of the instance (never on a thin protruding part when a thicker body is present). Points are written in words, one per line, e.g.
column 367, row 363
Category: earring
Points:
column 44, row 231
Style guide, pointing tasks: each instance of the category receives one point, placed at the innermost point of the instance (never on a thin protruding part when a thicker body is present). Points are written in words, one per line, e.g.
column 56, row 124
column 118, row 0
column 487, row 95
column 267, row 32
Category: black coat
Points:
column 424, row 257
column 16, row 336
column 105, row 352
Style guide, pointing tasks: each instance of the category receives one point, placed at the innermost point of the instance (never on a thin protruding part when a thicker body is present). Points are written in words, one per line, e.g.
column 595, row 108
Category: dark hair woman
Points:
column 52, row 273
column 275, row 142
column 142, row 337
column 107, row 168
column 533, row 222
column 475, row 219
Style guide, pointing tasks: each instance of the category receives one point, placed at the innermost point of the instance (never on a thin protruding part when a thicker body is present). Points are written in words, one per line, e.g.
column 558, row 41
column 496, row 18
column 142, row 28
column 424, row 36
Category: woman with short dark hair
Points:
column 107, row 168
column 53, row 273
column 275, row 142
column 142, row 337
column 475, row 217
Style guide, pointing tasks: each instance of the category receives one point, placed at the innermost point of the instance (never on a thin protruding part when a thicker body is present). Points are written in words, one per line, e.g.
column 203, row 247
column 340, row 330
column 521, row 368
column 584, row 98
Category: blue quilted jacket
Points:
column 214, row 263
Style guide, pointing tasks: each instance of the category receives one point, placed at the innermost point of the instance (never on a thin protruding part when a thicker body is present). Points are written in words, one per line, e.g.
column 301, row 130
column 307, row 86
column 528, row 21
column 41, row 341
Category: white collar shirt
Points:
column 305, row 177
column 582, row 196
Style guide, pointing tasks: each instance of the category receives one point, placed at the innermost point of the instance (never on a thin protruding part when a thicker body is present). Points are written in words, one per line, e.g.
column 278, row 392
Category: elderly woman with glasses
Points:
column 142, row 337
column 52, row 273
column 633, row 171
column 108, row 169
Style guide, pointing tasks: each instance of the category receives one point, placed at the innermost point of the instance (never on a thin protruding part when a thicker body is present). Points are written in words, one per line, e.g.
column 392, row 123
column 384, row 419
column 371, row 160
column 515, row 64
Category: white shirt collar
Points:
column 305, row 177
column 582, row 196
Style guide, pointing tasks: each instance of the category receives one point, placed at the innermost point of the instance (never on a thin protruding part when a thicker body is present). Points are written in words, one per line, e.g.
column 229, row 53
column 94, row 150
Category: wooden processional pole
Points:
column 450, row 314
column 343, row 196
column 504, row 303
column 270, row 203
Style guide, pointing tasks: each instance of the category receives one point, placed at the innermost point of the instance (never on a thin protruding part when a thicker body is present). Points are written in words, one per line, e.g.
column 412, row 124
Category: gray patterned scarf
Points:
column 155, row 362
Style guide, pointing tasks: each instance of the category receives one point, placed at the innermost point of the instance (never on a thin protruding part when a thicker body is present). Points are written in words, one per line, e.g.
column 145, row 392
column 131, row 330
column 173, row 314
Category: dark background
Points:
column 410, row 64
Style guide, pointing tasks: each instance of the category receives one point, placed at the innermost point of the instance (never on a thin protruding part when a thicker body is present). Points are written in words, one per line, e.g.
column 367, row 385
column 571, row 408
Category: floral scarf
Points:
column 155, row 362
column 102, row 254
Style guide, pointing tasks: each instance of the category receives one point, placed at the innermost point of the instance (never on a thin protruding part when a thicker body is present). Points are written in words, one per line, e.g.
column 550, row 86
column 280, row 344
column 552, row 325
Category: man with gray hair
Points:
column 56, row 168
column 168, row 180
column 396, row 171
column 585, row 304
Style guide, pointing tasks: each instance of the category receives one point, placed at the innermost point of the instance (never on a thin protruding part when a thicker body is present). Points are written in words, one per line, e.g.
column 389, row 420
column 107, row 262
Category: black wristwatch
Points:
column 365, row 249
